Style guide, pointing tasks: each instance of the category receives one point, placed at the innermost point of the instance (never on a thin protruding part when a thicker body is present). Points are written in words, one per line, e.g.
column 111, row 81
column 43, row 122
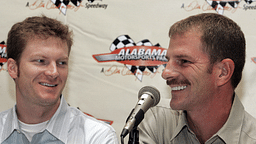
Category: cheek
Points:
column 197, row 74
column 63, row 74
column 30, row 72
column 205, row 83
column 191, row 75
column 26, row 70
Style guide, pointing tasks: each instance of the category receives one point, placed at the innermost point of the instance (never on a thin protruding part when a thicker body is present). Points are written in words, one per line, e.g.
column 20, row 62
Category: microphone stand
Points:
column 134, row 136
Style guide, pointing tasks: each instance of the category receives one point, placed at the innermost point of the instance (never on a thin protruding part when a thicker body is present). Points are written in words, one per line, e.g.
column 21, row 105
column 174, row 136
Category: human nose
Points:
column 170, row 72
column 52, row 70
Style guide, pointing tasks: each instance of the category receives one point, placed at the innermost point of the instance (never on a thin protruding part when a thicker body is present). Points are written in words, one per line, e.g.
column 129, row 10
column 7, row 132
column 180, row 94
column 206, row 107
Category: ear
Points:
column 226, row 69
column 12, row 67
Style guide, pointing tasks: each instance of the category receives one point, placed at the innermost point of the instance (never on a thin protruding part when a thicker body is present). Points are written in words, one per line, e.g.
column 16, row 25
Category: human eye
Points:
column 62, row 63
column 183, row 62
column 39, row 61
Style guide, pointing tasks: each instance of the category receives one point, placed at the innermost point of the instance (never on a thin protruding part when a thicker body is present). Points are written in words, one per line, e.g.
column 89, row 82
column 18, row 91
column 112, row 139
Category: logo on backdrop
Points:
column 249, row 6
column 91, row 1
column 254, row 59
column 3, row 55
column 249, row 1
column 64, row 5
column 220, row 5
column 137, row 57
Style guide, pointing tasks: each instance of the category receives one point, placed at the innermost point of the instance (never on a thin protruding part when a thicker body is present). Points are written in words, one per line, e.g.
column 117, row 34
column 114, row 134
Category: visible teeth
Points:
column 46, row 84
column 179, row 88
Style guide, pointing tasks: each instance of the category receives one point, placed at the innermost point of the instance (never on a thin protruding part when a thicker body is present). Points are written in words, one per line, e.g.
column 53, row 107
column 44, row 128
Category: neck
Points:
column 34, row 114
column 209, row 118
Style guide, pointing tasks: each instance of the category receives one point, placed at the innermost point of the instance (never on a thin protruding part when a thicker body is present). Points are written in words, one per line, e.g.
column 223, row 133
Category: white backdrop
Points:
column 108, row 90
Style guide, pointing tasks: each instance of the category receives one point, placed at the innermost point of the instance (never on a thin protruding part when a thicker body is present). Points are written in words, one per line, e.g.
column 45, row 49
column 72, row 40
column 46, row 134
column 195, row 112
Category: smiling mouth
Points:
column 48, row 85
column 178, row 88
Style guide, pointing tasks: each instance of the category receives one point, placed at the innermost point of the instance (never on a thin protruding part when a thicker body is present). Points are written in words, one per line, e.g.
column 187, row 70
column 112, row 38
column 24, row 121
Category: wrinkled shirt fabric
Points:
column 67, row 126
column 165, row 126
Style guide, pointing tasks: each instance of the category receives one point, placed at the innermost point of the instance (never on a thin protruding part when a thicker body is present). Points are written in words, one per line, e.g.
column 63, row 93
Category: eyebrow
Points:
column 183, row 56
column 39, row 55
column 180, row 56
column 64, row 58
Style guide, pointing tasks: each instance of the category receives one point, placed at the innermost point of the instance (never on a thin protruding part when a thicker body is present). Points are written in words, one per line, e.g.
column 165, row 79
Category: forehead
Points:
column 49, row 45
column 49, row 42
column 186, row 45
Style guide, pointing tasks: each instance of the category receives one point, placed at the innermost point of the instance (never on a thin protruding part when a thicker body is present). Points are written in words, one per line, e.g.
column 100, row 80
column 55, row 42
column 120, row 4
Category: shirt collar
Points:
column 230, row 131
column 11, row 124
column 55, row 126
column 182, row 122
column 58, row 124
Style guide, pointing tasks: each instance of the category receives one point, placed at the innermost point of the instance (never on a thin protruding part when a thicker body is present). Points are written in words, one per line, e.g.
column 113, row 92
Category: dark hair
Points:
column 38, row 26
column 221, row 38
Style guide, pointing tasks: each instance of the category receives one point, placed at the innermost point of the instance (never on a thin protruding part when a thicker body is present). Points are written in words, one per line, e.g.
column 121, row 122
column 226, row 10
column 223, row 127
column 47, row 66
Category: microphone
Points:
column 148, row 97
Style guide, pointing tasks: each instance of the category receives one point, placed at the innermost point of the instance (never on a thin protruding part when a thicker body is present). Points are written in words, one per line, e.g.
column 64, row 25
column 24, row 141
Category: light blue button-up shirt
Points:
column 67, row 126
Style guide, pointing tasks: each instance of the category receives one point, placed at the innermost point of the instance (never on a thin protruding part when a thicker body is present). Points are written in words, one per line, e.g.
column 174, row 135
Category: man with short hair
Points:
column 206, row 56
column 38, row 51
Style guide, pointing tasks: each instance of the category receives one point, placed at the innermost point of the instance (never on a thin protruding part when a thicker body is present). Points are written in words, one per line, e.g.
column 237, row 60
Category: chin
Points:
column 49, row 99
column 175, row 106
column 49, row 102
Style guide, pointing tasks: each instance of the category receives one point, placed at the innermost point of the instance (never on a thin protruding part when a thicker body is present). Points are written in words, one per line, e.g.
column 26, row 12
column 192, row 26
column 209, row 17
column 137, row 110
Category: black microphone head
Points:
column 153, row 92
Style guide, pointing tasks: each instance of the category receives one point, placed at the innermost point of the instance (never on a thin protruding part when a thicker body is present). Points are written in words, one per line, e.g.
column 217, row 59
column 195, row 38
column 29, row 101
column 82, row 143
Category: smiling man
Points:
column 206, row 56
column 38, row 51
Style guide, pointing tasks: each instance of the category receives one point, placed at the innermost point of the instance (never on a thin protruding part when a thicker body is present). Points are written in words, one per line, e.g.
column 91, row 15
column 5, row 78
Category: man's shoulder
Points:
column 3, row 115
column 5, row 112
column 4, row 121
column 88, row 129
column 249, row 126
column 159, row 124
column 160, row 111
column 77, row 116
column 163, row 115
